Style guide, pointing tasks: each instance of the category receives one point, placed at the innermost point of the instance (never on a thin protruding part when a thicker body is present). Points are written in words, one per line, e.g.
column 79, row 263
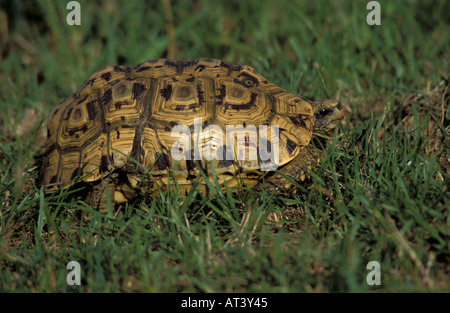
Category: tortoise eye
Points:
column 324, row 111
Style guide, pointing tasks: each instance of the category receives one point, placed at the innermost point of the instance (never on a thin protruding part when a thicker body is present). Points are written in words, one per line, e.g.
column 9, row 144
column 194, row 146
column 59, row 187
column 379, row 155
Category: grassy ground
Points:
column 380, row 194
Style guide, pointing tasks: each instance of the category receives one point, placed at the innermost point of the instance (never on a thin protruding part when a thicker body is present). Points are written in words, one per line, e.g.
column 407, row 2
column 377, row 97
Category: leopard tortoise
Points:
column 166, row 123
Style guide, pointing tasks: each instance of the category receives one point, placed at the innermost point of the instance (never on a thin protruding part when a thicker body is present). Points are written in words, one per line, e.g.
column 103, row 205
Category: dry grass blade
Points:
column 171, row 46
column 425, row 272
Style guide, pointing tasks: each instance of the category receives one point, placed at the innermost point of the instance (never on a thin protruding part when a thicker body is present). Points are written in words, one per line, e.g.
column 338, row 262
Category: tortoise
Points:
column 168, row 123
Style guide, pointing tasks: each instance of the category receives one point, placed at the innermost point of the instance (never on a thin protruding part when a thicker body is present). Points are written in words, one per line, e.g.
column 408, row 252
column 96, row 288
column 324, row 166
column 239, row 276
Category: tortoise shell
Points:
column 164, row 120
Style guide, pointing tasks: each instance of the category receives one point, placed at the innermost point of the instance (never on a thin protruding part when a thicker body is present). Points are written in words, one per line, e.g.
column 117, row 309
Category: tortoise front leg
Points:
column 297, row 169
column 97, row 197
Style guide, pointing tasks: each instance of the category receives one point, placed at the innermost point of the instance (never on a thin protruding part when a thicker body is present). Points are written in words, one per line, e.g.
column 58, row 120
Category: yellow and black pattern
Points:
column 125, row 116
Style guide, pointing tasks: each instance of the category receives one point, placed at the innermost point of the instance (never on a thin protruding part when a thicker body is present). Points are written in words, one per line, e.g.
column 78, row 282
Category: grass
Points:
column 381, row 193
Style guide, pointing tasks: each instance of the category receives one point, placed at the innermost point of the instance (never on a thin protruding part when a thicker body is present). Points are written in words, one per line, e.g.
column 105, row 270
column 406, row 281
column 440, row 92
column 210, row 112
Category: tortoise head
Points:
column 327, row 115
